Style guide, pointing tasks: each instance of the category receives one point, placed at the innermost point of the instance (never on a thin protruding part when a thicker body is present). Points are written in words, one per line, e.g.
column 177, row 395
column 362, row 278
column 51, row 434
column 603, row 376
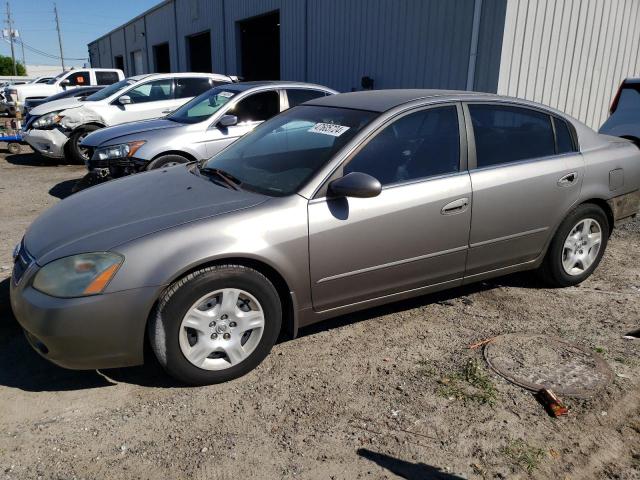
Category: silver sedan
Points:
column 343, row 203
column 197, row 130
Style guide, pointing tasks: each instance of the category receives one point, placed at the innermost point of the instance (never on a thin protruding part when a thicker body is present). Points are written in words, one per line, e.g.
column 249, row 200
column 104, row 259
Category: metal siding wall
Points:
column 570, row 54
column 399, row 43
column 161, row 28
column 196, row 16
column 117, row 48
column 490, row 45
column 136, row 41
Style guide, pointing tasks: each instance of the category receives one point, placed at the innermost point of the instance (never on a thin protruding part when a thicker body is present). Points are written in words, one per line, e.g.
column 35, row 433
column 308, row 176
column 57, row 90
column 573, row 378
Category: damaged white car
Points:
column 58, row 133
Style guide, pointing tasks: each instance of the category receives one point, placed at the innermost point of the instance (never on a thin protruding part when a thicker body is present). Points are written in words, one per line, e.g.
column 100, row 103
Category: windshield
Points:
column 203, row 106
column 283, row 153
column 55, row 79
column 110, row 90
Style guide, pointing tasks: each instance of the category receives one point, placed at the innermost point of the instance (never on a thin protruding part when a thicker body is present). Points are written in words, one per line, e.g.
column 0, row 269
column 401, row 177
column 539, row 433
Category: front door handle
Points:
column 457, row 206
column 568, row 179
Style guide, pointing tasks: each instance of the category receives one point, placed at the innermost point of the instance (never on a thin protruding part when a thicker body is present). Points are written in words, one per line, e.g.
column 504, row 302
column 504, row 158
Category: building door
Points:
column 260, row 47
column 137, row 62
column 199, row 52
column 161, row 59
column 118, row 62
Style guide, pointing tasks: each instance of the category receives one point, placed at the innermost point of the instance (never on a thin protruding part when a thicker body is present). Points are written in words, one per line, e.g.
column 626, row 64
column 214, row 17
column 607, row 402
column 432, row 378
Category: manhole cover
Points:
column 540, row 361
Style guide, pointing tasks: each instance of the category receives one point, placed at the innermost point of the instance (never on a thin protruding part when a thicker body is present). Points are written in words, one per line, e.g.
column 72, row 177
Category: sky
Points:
column 81, row 21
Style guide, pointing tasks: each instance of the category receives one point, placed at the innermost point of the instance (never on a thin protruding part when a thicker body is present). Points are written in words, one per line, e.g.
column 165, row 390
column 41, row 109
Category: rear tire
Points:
column 199, row 339
column 577, row 247
column 167, row 161
column 75, row 153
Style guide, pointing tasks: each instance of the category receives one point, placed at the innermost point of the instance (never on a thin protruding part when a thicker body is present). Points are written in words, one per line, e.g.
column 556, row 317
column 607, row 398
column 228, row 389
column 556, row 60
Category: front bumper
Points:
column 46, row 142
column 100, row 331
column 129, row 162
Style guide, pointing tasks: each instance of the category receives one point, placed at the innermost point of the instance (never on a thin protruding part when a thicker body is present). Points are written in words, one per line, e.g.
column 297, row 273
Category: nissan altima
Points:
column 336, row 205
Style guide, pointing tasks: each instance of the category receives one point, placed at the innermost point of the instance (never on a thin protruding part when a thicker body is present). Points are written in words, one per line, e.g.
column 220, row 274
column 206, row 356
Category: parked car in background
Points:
column 197, row 130
column 79, row 92
column 624, row 114
column 343, row 203
column 16, row 95
column 59, row 133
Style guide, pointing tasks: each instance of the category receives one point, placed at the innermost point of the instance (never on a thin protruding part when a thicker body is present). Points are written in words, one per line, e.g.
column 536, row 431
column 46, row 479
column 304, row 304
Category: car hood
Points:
column 56, row 106
column 105, row 216
column 110, row 135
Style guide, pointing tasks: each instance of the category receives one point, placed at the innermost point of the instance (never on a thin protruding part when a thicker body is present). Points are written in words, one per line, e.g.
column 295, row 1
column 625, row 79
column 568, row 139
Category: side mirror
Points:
column 124, row 100
column 65, row 83
column 355, row 184
column 227, row 121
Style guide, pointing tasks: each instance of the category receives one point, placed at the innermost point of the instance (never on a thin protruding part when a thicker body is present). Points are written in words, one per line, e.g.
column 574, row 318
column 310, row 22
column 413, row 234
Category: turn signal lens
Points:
column 101, row 281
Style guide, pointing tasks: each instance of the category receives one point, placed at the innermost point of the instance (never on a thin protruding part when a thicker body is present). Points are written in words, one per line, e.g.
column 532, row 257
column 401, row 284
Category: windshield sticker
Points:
column 329, row 129
column 225, row 94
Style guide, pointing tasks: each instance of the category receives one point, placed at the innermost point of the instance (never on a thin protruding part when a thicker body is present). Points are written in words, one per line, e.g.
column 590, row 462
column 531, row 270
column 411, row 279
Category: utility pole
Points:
column 13, row 54
column 55, row 10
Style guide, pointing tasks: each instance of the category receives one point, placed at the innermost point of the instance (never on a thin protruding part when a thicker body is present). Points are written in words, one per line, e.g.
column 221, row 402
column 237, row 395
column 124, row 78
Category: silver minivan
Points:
column 197, row 130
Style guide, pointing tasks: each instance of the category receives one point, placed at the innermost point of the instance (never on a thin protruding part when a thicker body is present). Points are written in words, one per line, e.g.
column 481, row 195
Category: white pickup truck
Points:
column 15, row 95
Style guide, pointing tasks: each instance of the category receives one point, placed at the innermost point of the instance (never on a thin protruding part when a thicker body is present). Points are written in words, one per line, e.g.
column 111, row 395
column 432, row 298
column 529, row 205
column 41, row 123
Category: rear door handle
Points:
column 568, row 179
column 457, row 206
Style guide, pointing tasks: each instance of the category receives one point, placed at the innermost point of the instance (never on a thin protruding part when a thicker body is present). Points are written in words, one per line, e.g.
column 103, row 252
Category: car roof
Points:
column 631, row 80
column 243, row 86
column 383, row 100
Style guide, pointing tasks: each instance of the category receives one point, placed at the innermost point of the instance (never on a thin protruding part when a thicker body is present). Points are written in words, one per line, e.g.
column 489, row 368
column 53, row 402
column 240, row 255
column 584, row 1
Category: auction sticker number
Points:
column 329, row 129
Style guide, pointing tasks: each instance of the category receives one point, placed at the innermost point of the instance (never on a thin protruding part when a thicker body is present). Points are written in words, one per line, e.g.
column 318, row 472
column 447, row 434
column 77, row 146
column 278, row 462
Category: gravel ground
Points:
column 391, row 392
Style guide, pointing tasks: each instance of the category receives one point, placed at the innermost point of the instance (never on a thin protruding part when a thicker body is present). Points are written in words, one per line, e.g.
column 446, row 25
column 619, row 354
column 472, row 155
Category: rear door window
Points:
column 106, row 78
column 505, row 134
column 297, row 96
column 191, row 87
column 257, row 107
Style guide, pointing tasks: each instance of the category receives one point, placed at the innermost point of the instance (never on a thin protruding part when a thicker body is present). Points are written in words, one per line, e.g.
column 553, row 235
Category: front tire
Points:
column 167, row 161
column 75, row 152
column 216, row 324
column 577, row 247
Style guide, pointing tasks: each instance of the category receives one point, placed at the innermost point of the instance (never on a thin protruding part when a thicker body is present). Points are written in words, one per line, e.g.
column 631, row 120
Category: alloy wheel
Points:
column 581, row 247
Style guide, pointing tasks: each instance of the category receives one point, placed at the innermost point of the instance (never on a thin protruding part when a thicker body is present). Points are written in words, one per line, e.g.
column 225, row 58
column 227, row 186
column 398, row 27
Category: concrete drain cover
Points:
column 539, row 361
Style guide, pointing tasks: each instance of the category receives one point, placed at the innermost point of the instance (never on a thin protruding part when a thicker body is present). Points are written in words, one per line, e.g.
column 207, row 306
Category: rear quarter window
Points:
column 564, row 138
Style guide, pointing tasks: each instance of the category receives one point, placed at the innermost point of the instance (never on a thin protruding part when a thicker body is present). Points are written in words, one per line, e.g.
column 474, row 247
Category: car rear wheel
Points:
column 577, row 248
column 167, row 161
column 76, row 153
column 216, row 324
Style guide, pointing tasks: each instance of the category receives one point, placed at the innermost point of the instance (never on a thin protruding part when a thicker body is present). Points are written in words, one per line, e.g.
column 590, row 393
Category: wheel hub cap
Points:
column 221, row 329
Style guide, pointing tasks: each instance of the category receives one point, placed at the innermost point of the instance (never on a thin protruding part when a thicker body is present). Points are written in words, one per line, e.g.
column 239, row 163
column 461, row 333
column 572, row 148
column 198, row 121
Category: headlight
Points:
column 47, row 121
column 118, row 151
column 12, row 92
column 79, row 275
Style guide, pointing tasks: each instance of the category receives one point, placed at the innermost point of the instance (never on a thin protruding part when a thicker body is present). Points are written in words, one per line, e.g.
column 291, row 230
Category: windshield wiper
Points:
column 226, row 177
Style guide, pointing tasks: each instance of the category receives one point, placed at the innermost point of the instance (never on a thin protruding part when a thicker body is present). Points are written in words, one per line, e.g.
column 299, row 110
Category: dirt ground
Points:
column 379, row 394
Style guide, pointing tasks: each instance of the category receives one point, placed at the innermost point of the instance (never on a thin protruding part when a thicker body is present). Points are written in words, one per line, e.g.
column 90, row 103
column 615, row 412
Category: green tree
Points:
column 6, row 67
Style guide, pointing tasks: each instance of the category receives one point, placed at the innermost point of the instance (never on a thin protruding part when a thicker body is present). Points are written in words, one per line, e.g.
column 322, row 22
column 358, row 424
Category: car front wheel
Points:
column 77, row 153
column 577, row 248
column 216, row 324
column 166, row 161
